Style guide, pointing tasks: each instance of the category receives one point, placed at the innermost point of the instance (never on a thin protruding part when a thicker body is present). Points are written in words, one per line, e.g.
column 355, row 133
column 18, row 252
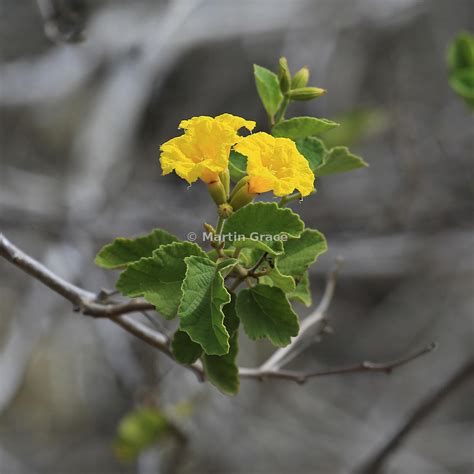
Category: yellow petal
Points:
column 275, row 164
column 235, row 122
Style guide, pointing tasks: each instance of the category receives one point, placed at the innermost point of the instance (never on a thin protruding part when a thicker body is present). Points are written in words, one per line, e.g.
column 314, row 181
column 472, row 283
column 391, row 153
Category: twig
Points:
column 284, row 355
column 86, row 302
column 377, row 461
column 302, row 377
column 252, row 270
column 92, row 304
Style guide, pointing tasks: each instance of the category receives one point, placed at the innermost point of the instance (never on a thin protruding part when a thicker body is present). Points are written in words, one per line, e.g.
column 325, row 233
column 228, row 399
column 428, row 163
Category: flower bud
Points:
column 238, row 185
column 225, row 180
column 208, row 228
column 241, row 196
column 284, row 75
column 225, row 210
column 217, row 192
column 300, row 79
column 306, row 93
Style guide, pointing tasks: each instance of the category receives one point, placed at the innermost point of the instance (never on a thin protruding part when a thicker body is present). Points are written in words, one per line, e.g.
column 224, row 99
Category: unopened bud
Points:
column 208, row 228
column 225, row 210
column 284, row 75
column 238, row 185
column 217, row 192
column 300, row 79
column 241, row 196
column 306, row 93
column 225, row 180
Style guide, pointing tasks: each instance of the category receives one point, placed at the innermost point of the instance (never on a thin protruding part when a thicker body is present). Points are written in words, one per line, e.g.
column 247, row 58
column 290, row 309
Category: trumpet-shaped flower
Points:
column 202, row 152
column 275, row 164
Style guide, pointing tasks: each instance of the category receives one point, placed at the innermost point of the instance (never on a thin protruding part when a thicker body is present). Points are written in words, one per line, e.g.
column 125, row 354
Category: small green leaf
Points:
column 276, row 278
column 123, row 251
column 268, row 88
column 462, row 82
column 302, row 127
column 200, row 309
column 222, row 371
column 138, row 431
column 313, row 150
column 184, row 350
column 237, row 165
column 339, row 160
column 266, row 313
column 158, row 278
column 231, row 321
column 302, row 292
column 300, row 253
column 461, row 52
column 261, row 225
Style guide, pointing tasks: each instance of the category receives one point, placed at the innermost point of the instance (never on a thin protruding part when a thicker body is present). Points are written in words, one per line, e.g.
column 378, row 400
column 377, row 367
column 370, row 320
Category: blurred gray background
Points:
column 88, row 92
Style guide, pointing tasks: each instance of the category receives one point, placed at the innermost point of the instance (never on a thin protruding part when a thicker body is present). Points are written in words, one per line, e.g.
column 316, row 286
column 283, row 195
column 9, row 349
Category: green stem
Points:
column 220, row 225
column 290, row 198
column 280, row 115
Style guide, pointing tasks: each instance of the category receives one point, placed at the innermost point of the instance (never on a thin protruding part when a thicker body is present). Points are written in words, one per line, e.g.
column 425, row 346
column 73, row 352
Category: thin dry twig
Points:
column 376, row 462
column 317, row 317
column 92, row 304
column 302, row 377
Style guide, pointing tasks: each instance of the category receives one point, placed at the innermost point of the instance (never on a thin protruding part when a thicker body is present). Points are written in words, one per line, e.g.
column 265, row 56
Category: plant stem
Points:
column 280, row 115
column 220, row 225
column 290, row 198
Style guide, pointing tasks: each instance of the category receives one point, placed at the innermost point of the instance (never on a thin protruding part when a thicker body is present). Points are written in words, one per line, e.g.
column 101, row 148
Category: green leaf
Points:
column 339, row 160
column 302, row 127
column 138, row 431
column 123, row 251
column 302, row 292
column 462, row 82
column 184, row 350
column 200, row 309
column 266, row 313
column 313, row 150
column 222, row 371
column 159, row 278
column 276, row 278
column 255, row 220
column 301, row 253
column 461, row 52
column 237, row 165
column 268, row 88
column 231, row 320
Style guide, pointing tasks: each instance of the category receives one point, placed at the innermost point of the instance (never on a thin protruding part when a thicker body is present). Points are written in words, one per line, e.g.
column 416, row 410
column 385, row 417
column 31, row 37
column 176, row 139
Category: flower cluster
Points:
column 202, row 152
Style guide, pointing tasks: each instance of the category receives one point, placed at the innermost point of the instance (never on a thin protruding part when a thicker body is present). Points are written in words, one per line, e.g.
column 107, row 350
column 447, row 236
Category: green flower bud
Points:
column 300, row 79
column 225, row 210
column 217, row 192
column 241, row 197
column 306, row 93
column 225, row 180
column 238, row 185
column 209, row 228
column 284, row 75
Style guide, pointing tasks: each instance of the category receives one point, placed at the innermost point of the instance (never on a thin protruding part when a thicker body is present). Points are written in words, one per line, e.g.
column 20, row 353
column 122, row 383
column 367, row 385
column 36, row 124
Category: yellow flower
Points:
column 202, row 152
column 275, row 164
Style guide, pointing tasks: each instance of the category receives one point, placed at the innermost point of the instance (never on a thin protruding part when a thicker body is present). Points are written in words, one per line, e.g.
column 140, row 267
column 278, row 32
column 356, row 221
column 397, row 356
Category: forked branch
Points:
column 95, row 305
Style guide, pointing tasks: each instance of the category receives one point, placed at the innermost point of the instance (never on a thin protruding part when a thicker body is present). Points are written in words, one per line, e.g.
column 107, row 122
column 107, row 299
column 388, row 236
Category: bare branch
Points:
column 302, row 377
column 86, row 302
column 377, row 461
column 284, row 355
column 93, row 304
